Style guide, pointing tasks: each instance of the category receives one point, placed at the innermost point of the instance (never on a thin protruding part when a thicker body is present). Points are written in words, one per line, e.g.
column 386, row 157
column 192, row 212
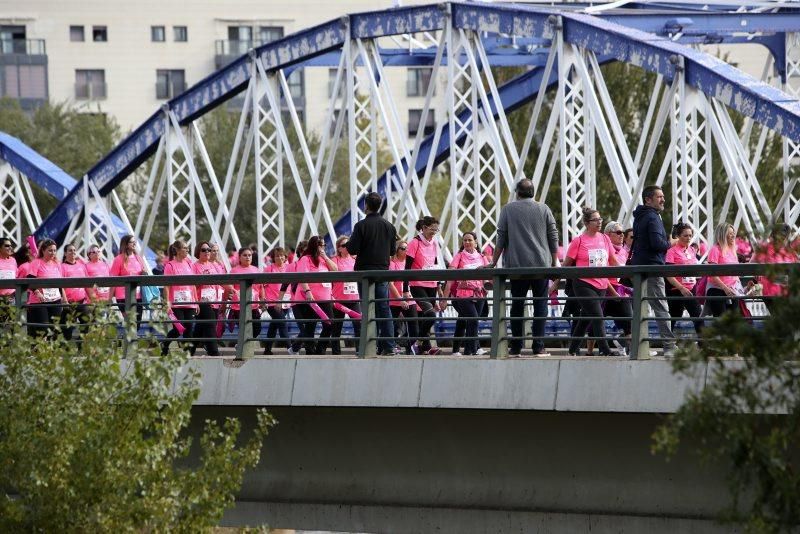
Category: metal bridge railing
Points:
column 493, row 335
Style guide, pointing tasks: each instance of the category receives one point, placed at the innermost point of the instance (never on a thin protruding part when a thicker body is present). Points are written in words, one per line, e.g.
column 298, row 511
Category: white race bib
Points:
column 350, row 288
column 326, row 285
column 182, row 295
column 208, row 294
column 472, row 266
column 50, row 294
column 102, row 291
column 7, row 275
column 689, row 280
column 286, row 297
column 598, row 257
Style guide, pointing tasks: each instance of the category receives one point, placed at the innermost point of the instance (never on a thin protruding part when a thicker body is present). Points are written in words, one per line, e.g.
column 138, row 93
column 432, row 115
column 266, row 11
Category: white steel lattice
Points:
column 19, row 214
column 268, row 166
column 361, row 132
column 692, row 190
column 791, row 150
column 180, row 190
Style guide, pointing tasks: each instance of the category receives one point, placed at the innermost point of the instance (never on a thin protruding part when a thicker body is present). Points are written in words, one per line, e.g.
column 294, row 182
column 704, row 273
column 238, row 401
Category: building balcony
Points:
column 227, row 50
column 23, row 47
column 23, row 63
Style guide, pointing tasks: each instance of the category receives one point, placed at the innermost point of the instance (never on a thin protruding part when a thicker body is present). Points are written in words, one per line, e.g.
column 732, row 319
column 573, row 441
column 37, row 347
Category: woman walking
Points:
column 128, row 263
column 470, row 297
column 591, row 249
column 77, row 297
column 402, row 303
column 681, row 288
column 96, row 267
column 244, row 264
column 210, row 300
column 311, row 295
column 275, row 306
column 723, row 252
column 423, row 254
column 181, row 299
column 45, row 302
column 345, row 293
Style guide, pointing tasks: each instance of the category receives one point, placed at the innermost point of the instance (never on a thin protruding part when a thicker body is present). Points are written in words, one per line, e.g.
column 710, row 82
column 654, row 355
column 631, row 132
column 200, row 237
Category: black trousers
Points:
column 339, row 323
column 589, row 299
column 469, row 310
column 308, row 324
column 276, row 326
column 44, row 318
column 206, row 331
column 255, row 315
column 76, row 313
column 425, row 297
column 620, row 308
column 689, row 304
column 719, row 307
column 411, row 325
column 185, row 316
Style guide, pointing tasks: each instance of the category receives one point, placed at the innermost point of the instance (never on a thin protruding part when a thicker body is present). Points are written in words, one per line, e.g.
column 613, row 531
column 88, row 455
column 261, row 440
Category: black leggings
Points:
column 411, row 325
column 277, row 326
column 206, row 330
column 719, row 307
column 44, row 315
column 254, row 315
column 689, row 304
column 338, row 324
column 468, row 312
column 76, row 313
column 185, row 317
column 589, row 299
column 425, row 297
column 309, row 325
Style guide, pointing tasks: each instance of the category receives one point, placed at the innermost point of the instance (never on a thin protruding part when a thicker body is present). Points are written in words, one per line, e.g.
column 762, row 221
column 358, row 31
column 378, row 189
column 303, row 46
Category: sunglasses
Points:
column 94, row 252
column 343, row 245
column 8, row 245
column 402, row 248
column 205, row 250
column 618, row 232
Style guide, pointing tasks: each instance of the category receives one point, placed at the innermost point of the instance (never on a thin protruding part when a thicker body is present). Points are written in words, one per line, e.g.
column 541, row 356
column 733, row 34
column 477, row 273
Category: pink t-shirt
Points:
column 208, row 293
column 98, row 269
column 183, row 296
column 468, row 260
column 345, row 290
column 678, row 255
column 320, row 291
column 132, row 268
column 399, row 265
column 39, row 268
column 8, row 271
column 256, row 290
column 272, row 291
column 425, row 254
column 717, row 256
column 768, row 254
column 592, row 251
column 75, row 295
column 24, row 270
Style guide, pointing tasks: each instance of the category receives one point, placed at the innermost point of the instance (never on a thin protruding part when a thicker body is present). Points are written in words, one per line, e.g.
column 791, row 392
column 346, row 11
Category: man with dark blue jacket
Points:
column 650, row 244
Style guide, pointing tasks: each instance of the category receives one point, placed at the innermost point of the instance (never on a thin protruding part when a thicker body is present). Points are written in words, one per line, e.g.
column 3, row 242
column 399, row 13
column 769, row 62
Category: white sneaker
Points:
column 456, row 354
column 480, row 352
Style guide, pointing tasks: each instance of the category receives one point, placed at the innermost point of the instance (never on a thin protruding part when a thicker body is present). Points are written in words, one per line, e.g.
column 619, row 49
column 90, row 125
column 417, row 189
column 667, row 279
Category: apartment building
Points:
column 126, row 58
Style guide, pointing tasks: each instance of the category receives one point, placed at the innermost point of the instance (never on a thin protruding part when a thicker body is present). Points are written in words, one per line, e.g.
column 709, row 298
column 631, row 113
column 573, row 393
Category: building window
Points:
column 99, row 34
column 13, row 39
column 90, row 84
column 23, row 81
column 267, row 34
column 76, row 34
column 295, row 83
column 157, row 34
column 417, row 81
column 414, row 118
column 180, row 34
column 170, row 83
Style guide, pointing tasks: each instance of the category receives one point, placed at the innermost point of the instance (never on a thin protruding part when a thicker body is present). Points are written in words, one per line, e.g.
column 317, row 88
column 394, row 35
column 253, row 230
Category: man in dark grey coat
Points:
column 527, row 237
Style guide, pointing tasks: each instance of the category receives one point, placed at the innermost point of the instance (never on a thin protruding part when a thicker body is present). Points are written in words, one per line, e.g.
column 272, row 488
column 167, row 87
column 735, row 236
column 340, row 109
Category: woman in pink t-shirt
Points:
column 8, row 269
column 244, row 264
column 181, row 299
column 403, row 304
column 346, row 293
column 210, row 299
column 776, row 250
column 275, row 308
column 470, row 297
column 77, row 298
column 591, row 249
column 723, row 251
column 313, row 259
column 128, row 262
column 96, row 267
column 45, row 302
column 423, row 254
column 681, row 288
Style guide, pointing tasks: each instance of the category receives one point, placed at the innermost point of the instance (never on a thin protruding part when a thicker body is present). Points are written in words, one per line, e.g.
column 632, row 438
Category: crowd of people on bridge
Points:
column 407, row 312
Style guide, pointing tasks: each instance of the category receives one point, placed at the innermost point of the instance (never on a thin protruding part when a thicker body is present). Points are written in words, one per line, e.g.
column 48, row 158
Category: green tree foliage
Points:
column 747, row 418
column 93, row 442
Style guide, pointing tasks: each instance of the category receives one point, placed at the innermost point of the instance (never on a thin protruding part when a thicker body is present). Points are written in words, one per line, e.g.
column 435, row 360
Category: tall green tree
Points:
column 93, row 442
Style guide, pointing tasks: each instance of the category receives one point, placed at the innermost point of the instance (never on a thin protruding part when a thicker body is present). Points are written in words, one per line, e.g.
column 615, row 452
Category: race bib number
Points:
column 326, row 285
column 689, row 280
column 181, row 296
column 50, row 294
column 208, row 294
column 472, row 266
column 598, row 257
column 7, row 275
column 350, row 288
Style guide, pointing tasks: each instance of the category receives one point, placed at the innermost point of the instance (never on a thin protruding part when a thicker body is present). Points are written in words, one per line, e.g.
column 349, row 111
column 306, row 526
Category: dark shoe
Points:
column 267, row 352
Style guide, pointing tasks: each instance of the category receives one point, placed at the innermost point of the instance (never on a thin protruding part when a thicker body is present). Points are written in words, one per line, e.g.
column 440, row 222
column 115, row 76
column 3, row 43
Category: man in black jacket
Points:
column 650, row 244
column 373, row 242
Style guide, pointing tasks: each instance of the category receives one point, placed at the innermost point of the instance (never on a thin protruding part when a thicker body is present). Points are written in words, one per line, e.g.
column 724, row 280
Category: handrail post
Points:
column 640, row 347
column 367, row 345
column 499, row 347
column 245, row 347
column 131, row 324
column 20, row 299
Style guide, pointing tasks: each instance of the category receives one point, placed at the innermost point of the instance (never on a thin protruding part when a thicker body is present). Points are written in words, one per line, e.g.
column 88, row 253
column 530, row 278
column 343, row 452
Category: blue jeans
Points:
column 384, row 315
column 519, row 289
